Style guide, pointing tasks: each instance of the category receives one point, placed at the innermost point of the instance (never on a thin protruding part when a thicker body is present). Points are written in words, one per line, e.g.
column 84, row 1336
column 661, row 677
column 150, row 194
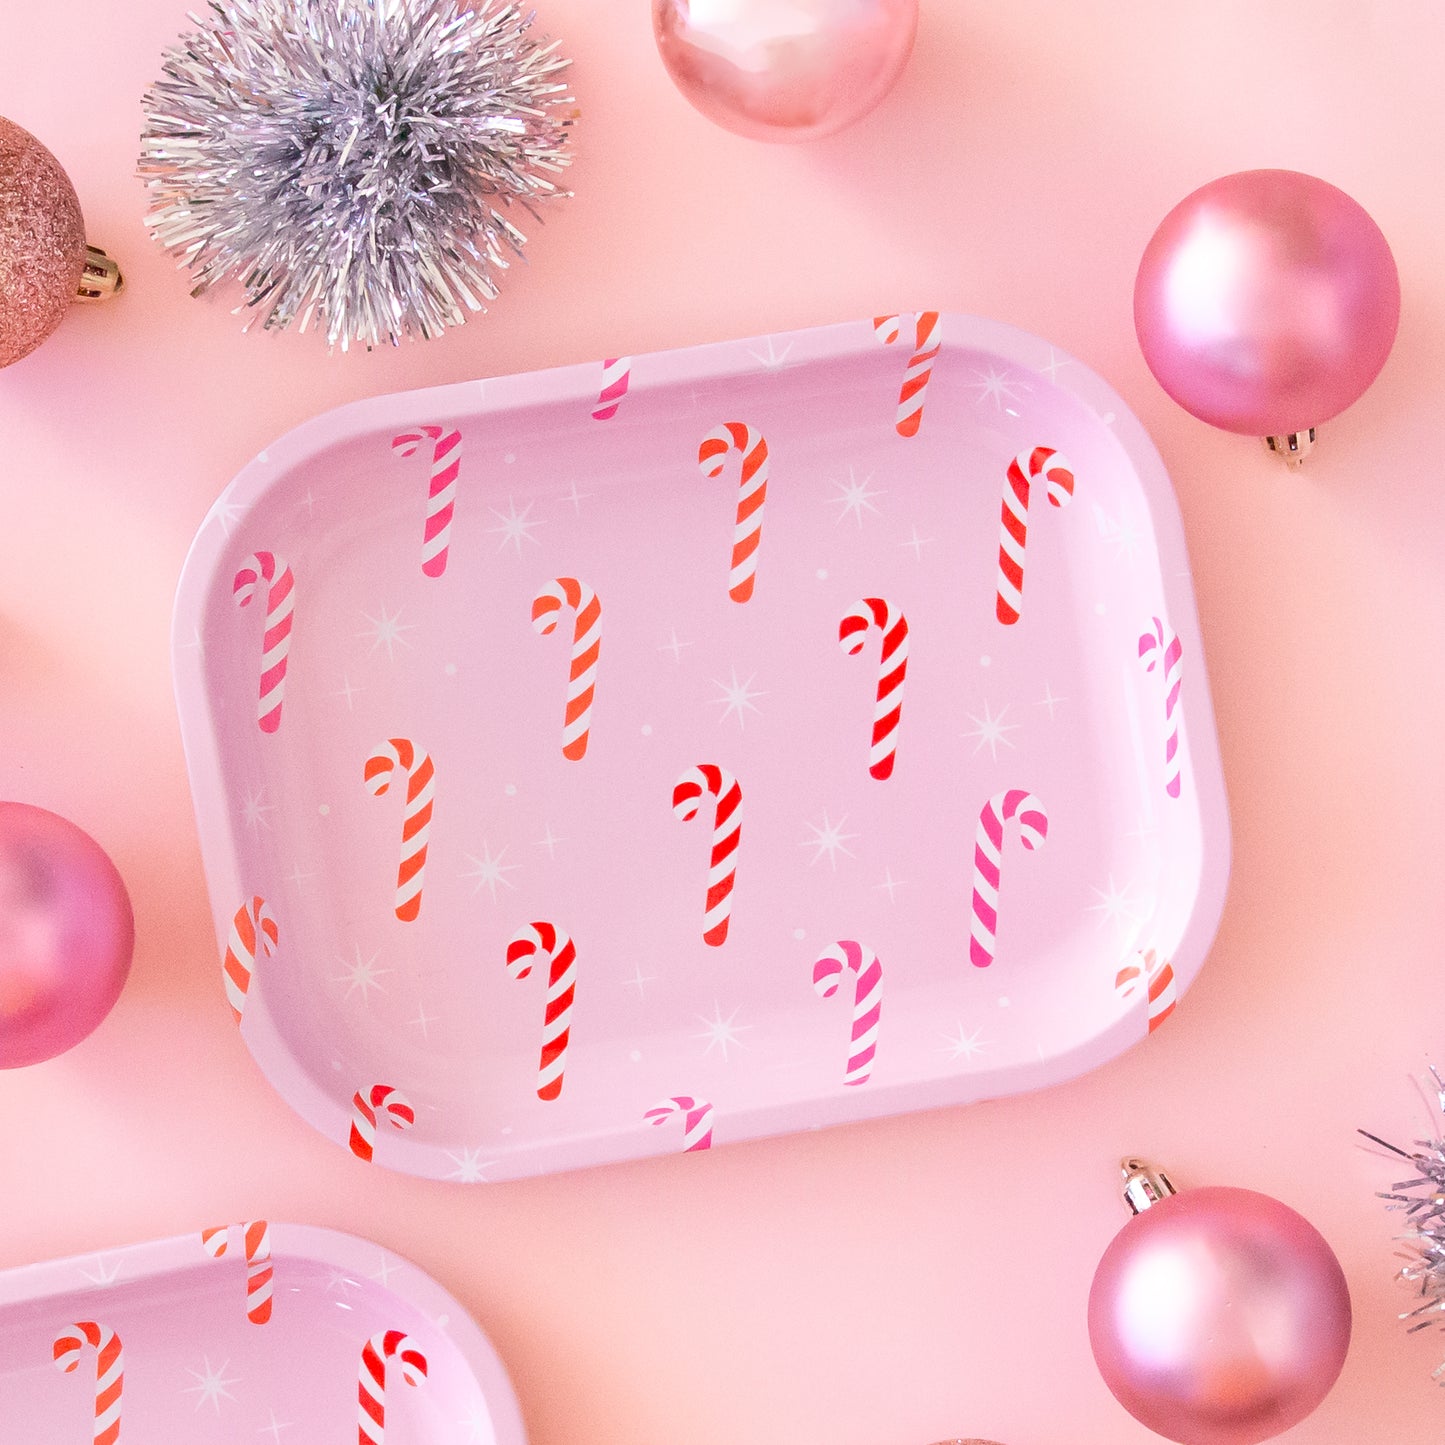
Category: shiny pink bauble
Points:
column 66, row 935
column 784, row 70
column 1267, row 302
column 1219, row 1317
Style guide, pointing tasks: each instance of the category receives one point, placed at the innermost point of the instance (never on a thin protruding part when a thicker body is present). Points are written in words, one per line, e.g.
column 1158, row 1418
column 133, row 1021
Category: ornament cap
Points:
column 1144, row 1185
column 100, row 277
column 1292, row 447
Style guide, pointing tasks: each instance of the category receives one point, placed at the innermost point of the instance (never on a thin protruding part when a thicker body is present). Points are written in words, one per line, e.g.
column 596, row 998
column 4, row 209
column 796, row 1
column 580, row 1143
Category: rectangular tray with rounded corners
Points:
column 283, row 1334
column 621, row 759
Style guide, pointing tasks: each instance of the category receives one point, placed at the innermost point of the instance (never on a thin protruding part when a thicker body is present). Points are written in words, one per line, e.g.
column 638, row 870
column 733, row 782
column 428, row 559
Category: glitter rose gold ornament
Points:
column 45, row 263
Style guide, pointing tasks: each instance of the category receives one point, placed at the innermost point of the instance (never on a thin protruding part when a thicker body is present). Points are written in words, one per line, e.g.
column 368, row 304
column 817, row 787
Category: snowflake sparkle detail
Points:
column 471, row 1168
column 489, row 871
column 991, row 731
column 1115, row 905
column 211, row 1386
column 963, row 1045
column 995, row 385
column 828, row 841
column 386, row 631
column 363, row 974
column 722, row 1033
column 737, row 697
column 516, row 526
column 854, row 498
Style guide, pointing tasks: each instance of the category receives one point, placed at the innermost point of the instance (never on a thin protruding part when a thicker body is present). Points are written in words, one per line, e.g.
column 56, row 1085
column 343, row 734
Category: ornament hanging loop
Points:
column 1293, row 447
column 1144, row 1185
column 100, row 277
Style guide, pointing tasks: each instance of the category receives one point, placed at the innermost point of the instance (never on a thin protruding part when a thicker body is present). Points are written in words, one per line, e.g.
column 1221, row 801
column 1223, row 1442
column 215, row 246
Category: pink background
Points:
column 888, row 1282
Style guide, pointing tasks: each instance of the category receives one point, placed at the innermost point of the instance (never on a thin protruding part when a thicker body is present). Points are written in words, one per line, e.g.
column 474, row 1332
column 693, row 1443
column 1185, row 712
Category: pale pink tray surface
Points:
column 195, row 1370
column 1058, row 704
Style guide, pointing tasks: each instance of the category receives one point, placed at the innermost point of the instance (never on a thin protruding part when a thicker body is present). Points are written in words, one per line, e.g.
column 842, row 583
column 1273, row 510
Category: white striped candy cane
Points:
column 109, row 1373
column 878, row 613
column 1033, row 822
column 727, row 824
column 1147, row 968
column 385, row 1349
column 616, row 378
column 1024, row 472
column 1161, row 650
column 256, row 1241
column 547, row 607
column 546, row 941
column 928, row 342
column 696, row 1120
column 253, row 927
column 403, row 755
column 844, row 957
column 269, row 572
column 365, row 1106
column 446, row 465
column 751, row 448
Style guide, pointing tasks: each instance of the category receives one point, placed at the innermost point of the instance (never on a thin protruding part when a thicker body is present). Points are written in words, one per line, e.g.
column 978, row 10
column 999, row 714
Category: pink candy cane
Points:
column 253, row 926
column 269, row 569
column 379, row 1099
column 1033, row 823
column 547, row 606
column 828, row 972
column 752, row 450
column 1161, row 650
column 256, row 1241
column 446, row 465
column 109, row 1373
column 878, row 613
column 403, row 754
column 383, row 1349
column 727, row 823
column 547, row 941
column 1147, row 968
column 1042, row 464
column 616, row 378
column 696, row 1120
column 928, row 342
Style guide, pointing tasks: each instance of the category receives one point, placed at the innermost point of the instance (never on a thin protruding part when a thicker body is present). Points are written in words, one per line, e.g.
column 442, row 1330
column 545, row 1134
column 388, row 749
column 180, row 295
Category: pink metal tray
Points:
column 621, row 759
column 280, row 1334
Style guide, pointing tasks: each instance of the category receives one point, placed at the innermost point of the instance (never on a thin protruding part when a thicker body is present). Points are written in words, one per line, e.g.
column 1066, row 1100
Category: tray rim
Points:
column 575, row 384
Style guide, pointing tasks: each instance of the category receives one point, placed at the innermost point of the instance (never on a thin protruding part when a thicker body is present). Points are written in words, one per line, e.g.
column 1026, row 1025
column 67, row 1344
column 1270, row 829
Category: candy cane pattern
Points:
column 446, row 465
column 1023, row 472
column 253, row 925
column 928, row 342
column 269, row 569
column 752, row 450
column 1160, row 978
column 616, row 378
column 878, row 612
column 696, row 1120
column 547, row 606
column 379, row 1099
column 256, row 1240
column 416, row 819
column 1033, row 823
column 547, row 941
column 687, row 795
column 828, row 972
column 109, row 1372
column 380, row 1351
column 1161, row 650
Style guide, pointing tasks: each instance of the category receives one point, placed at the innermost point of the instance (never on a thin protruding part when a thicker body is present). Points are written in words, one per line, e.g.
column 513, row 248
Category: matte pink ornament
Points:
column 1267, row 302
column 785, row 70
column 1218, row 1316
column 66, row 935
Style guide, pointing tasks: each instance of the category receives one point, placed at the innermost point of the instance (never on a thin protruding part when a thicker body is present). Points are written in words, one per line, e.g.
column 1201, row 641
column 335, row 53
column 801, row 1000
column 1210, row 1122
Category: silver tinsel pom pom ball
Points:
column 353, row 163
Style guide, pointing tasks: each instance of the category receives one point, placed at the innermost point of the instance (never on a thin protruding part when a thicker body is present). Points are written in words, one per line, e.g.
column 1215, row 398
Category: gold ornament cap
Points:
column 1144, row 1185
column 1293, row 447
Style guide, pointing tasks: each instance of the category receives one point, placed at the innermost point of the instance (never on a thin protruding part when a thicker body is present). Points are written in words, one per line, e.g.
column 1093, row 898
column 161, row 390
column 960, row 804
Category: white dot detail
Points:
column 822, row 574
column 1100, row 608
column 798, row 933
column 1003, row 1003
column 510, row 457
column 647, row 730
column 450, row 669
column 510, row 790
column 636, row 1056
column 325, row 810
column 985, row 661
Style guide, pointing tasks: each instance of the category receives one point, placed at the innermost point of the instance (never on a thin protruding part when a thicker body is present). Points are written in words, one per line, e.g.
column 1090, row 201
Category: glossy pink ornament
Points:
column 66, row 935
column 1219, row 1316
column 1267, row 302
column 784, row 70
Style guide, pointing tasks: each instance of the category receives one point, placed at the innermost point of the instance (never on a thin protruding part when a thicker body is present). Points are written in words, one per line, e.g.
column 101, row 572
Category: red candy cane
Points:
column 383, row 1349
column 1147, row 967
column 446, row 465
column 616, row 378
column 547, row 941
column 844, row 957
column 256, row 1241
column 269, row 569
column 870, row 613
column 1041, row 464
column 1161, row 650
column 547, row 607
column 752, row 450
column 1033, row 823
column 727, row 823
column 402, row 753
column 696, row 1120
column 109, row 1372
column 928, row 342
column 379, row 1099
column 253, row 926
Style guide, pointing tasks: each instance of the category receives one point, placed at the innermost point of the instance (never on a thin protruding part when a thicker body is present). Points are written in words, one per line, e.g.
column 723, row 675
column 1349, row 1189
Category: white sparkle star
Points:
column 225, row 513
column 386, row 631
column 212, row 1386
column 890, row 884
column 638, row 981
column 917, row 544
column 384, row 1271
column 737, row 697
column 479, row 1423
column 773, row 361
column 1049, row 701
column 722, row 1033
column 1121, row 536
column 347, row 691
column 515, row 528
column 828, row 840
column 576, row 498
column 424, row 1020
column 297, row 877
column 363, row 975
column 1055, row 363
column 549, row 842
column 471, row 1167
column 854, row 497
column 964, row 1045
column 309, row 502
column 275, row 1427
column 674, row 646
column 338, row 1280
column 991, row 731
column 489, row 871
column 1146, row 829
column 255, row 808
column 104, row 1276
column 994, row 384
column 1115, row 905
column 197, row 644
